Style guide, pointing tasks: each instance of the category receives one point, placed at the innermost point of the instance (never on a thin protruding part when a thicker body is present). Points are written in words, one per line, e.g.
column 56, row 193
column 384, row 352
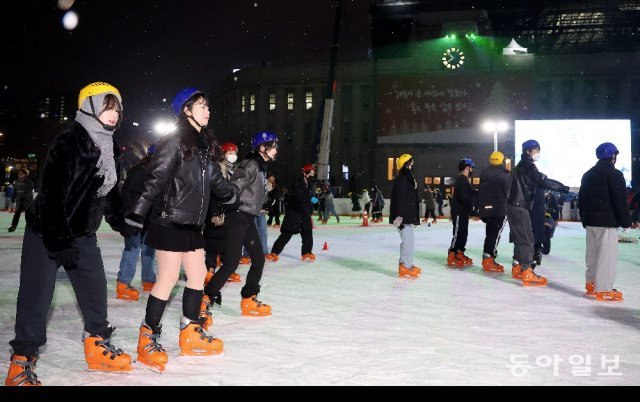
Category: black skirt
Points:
column 168, row 238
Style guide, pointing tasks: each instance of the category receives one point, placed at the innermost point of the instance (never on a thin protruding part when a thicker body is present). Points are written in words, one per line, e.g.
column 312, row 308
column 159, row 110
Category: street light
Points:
column 494, row 127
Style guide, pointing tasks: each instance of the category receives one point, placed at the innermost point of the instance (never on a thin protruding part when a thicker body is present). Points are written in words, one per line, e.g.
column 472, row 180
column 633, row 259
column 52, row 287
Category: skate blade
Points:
column 234, row 280
column 156, row 368
column 187, row 353
column 109, row 369
column 534, row 285
column 255, row 314
column 127, row 298
column 408, row 276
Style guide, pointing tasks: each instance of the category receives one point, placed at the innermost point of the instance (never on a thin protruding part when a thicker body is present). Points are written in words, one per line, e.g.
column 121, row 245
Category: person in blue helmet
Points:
column 180, row 178
column 525, row 181
column 250, row 182
column 461, row 210
column 603, row 208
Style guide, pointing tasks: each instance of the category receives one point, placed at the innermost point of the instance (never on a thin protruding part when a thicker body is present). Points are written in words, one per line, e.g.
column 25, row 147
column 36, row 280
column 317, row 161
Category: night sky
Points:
column 151, row 49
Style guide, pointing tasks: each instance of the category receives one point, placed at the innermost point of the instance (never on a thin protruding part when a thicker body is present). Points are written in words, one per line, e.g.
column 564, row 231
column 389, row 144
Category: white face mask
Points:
column 231, row 158
column 536, row 157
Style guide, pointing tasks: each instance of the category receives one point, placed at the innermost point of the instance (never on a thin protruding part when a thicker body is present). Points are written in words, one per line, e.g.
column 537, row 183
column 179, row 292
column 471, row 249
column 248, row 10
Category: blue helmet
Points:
column 606, row 151
column 182, row 97
column 152, row 149
column 530, row 144
column 261, row 138
column 464, row 162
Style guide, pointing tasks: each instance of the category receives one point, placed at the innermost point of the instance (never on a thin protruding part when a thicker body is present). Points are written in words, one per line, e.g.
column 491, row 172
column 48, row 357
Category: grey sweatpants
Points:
column 521, row 235
column 406, row 246
column 602, row 257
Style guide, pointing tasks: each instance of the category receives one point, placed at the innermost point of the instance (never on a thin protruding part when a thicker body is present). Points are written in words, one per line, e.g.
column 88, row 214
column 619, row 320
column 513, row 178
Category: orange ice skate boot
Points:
column 245, row 260
column 253, row 307
column 234, row 277
column 590, row 288
column 309, row 257
column 150, row 353
column 516, row 271
column 529, row 278
column 101, row 355
column 147, row 286
column 126, row 292
column 272, row 257
column 195, row 342
column 612, row 296
column 22, row 372
column 465, row 260
column 409, row 273
column 489, row 265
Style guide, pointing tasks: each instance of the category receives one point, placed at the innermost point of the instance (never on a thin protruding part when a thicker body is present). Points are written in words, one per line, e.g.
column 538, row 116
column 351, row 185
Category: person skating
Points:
column 366, row 200
column 440, row 202
column 214, row 226
column 429, row 205
column 377, row 205
column 134, row 245
column 297, row 219
column 180, row 178
column 329, row 207
column 461, row 210
column 22, row 197
column 603, row 209
column 355, row 205
column 249, row 181
column 404, row 214
column 492, row 202
column 525, row 180
column 274, row 201
column 77, row 189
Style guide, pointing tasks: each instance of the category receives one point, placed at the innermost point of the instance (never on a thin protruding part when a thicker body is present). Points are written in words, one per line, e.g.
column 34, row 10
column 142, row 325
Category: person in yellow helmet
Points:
column 404, row 214
column 77, row 189
column 492, row 200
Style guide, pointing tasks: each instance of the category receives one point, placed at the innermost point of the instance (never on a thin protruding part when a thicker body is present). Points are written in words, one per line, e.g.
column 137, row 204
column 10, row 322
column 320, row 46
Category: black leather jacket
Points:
column 525, row 179
column 179, row 181
column 250, row 183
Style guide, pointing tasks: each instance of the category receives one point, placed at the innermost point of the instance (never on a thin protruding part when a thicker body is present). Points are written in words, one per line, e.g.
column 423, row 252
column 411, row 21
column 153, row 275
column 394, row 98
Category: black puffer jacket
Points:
column 603, row 197
column 525, row 179
column 404, row 199
column 67, row 205
column 493, row 192
column 179, row 181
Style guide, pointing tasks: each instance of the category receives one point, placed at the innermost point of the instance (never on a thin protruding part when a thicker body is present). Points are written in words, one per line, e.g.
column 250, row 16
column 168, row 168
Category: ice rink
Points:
column 347, row 319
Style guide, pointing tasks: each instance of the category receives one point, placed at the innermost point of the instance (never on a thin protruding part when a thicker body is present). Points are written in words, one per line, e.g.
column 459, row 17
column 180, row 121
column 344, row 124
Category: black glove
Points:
column 232, row 206
column 132, row 225
column 68, row 258
column 127, row 230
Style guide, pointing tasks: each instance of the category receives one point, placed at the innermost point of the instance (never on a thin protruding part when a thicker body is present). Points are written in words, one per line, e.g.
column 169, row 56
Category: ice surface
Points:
column 347, row 319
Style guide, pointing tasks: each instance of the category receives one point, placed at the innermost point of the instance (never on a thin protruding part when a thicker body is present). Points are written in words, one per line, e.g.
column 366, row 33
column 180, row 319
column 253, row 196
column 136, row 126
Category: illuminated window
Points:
column 345, row 172
column 390, row 164
column 289, row 100
column 309, row 99
column 243, row 104
column 272, row 101
column 252, row 102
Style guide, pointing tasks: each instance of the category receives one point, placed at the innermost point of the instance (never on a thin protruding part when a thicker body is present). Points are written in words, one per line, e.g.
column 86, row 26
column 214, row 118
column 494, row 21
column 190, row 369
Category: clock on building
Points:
column 453, row 58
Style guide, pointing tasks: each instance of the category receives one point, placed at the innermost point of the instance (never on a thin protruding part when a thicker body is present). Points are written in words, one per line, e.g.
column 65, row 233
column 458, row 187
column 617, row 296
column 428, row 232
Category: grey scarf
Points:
column 104, row 141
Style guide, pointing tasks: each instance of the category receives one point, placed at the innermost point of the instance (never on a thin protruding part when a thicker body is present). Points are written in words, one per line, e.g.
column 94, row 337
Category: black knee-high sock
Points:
column 191, row 300
column 155, row 309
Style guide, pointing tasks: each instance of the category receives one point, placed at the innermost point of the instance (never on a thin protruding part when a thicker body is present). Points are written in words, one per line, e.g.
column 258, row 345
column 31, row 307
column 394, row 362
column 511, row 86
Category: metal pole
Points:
column 495, row 139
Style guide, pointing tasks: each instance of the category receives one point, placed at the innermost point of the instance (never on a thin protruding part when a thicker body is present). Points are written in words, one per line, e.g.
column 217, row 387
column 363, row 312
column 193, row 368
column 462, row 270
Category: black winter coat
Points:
column 603, row 197
column 67, row 205
column 23, row 189
column 250, row 183
column 179, row 181
column 299, row 206
column 525, row 179
column 462, row 201
column 404, row 199
column 493, row 191
column 134, row 184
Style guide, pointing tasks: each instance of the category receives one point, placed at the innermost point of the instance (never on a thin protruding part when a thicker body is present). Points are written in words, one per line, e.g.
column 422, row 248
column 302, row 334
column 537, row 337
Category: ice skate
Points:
column 612, row 296
column 253, row 307
column 434, row 221
column 151, row 354
column 234, row 277
column 147, row 286
column 21, row 372
column 529, row 278
column 195, row 342
column 516, row 271
column 245, row 260
column 101, row 355
column 309, row 257
column 466, row 260
column 590, row 288
column 126, row 292
column 276, row 226
column 409, row 273
column 205, row 313
column 490, row 265
column 272, row 257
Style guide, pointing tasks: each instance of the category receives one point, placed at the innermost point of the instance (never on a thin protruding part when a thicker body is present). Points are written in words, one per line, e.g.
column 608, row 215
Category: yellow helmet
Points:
column 496, row 158
column 401, row 160
column 97, row 88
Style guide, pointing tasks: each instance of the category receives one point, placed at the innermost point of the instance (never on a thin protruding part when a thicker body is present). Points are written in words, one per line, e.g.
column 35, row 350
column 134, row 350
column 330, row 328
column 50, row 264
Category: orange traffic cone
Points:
column 326, row 246
column 365, row 219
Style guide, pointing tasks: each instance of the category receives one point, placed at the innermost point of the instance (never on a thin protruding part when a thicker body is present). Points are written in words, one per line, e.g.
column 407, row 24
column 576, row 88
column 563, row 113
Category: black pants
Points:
column 493, row 231
column 440, row 213
column 38, row 281
column 306, row 232
column 429, row 213
column 240, row 230
column 213, row 249
column 521, row 235
column 20, row 207
column 274, row 214
column 460, row 232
